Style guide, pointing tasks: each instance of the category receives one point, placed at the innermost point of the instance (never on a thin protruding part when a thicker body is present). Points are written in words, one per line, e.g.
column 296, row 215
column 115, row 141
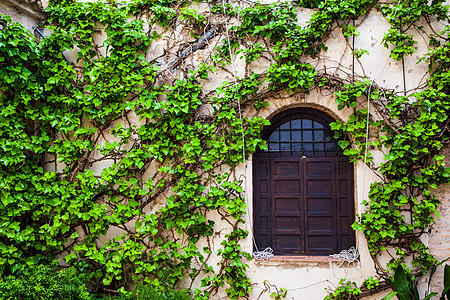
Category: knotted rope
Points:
column 265, row 255
column 351, row 256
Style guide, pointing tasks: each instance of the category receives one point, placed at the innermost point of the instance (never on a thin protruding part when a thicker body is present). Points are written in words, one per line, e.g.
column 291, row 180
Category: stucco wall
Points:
column 307, row 278
column 439, row 239
column 28, row 13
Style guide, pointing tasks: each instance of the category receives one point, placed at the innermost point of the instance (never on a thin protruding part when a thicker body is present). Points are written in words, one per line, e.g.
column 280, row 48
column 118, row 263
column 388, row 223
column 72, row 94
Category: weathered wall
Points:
column 28, row 13
column 439, row 239
column 307, row 277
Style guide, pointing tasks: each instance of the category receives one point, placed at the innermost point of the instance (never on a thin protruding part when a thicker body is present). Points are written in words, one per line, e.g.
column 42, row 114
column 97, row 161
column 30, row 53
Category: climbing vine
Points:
column 402, row 206
column 122, row 159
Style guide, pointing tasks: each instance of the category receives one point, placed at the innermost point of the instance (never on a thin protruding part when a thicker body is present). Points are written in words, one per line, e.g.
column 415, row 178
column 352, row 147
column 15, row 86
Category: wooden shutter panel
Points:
column 287, row 208
column 261, row 203
column 320, row 205
column 345, row 203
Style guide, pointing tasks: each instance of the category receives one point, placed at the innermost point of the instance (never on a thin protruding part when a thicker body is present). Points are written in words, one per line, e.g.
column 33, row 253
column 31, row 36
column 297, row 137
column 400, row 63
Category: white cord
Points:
column 367, row 125
column 264, row 255
column 382, row 52
column 350, row 256
column 267, row 253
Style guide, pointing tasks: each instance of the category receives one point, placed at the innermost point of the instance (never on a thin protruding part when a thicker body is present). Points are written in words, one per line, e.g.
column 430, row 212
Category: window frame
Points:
column 342, row 238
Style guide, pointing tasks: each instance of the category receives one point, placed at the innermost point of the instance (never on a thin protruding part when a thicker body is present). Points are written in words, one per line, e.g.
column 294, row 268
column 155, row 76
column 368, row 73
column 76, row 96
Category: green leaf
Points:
column 389, row 296
column 401, row 283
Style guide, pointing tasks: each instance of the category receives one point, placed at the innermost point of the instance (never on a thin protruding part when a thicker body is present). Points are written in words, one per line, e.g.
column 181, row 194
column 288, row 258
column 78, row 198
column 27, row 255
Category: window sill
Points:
column 287, row 258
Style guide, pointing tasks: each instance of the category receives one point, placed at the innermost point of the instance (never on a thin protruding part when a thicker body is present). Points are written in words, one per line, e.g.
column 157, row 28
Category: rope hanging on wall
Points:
column 267, row 253
column 350, row 256
column 264, row 255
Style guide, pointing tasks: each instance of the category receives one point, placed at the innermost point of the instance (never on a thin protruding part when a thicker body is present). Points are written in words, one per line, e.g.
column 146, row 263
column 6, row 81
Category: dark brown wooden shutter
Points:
column 345, row 211
column 320, row 206
column 303, row 205
column 287, row 207
column 261, row 205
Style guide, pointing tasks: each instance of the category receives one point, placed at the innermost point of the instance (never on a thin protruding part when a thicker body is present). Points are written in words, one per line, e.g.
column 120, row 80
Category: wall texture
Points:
column 303, row 277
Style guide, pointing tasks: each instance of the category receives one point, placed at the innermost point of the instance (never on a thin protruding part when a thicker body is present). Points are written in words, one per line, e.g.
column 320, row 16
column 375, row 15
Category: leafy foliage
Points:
column 167, row 166
column 412, row 167
column 45, row 282
column 148, row 292
column 405, row 16
column 405, row 286
column 61, row 112
column 349, row 290
column 345, row 290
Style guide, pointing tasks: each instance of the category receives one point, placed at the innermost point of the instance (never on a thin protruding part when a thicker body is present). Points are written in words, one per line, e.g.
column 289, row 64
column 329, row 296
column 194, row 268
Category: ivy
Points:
column 349, row 290
column 406, row 15
column 113, row 141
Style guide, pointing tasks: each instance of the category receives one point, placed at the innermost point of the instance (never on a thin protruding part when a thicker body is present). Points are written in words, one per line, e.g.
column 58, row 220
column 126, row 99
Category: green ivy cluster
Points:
column 166, row 174
column 349, row 290
column 407, row 15
column 55, row 117
column 402, row 206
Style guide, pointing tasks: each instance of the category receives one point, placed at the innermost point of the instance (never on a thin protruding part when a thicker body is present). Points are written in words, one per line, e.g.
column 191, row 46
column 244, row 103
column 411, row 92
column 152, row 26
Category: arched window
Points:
column 303, row 200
